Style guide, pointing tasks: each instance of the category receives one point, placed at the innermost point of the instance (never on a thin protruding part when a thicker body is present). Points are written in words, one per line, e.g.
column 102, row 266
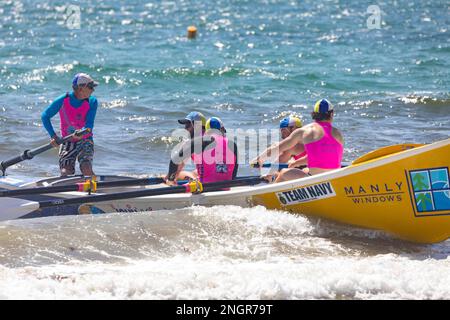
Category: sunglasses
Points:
column 89, row 85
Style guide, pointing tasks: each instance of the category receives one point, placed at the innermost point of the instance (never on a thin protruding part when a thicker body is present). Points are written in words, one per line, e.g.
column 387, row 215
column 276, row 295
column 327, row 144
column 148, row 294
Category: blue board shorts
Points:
column 70, row 152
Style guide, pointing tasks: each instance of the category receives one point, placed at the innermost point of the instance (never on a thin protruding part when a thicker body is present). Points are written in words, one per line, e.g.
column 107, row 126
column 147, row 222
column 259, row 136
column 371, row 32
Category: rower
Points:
column 295, row 156
column 77, row 110
column 194, row 123
column 217, row 160
column 323, row 144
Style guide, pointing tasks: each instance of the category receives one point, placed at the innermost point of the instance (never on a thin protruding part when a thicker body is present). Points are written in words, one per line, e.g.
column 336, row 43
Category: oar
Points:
column 284, row 165
column 83, row 186
column 29, row 154
column 270, row 165
column 92, row 186
column 13, row 208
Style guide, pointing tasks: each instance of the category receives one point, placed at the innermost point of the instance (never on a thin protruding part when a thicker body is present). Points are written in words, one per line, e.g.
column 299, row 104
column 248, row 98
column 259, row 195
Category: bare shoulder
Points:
column 338, row 135
column 310, row 127
column 310, row 132
column 303, row 130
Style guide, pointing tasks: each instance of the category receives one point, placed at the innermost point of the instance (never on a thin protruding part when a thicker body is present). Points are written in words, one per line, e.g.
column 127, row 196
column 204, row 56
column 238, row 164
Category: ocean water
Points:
column 223, row 252
column 252, row 63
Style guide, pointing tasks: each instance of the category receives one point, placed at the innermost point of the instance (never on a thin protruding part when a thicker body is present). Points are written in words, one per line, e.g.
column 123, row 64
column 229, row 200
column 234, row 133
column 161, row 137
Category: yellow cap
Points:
column 291, row 121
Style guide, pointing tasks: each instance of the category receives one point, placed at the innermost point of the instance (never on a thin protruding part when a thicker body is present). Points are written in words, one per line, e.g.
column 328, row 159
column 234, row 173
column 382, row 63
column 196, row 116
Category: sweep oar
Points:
column 13, row 208
column 29, row 154
column 87, row 186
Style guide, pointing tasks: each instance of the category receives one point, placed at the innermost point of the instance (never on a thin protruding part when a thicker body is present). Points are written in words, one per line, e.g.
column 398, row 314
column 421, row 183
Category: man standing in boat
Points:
column 323, row 143
column 215, row 161
column 77, row 110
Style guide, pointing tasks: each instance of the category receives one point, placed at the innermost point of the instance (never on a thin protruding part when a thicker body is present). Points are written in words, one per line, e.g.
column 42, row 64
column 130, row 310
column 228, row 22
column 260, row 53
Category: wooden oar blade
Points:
column 14, row 208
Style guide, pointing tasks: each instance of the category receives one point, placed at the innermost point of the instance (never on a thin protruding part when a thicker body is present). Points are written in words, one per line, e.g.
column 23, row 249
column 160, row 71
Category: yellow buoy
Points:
column 191, row 32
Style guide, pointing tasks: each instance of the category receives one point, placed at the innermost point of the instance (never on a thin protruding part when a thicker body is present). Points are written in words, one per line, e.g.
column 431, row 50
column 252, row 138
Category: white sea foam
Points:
column 224, row 252
column 192, row 277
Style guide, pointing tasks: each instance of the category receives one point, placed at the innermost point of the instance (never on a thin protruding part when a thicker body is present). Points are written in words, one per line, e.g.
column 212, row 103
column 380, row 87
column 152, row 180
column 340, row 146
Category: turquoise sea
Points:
column 252, row 63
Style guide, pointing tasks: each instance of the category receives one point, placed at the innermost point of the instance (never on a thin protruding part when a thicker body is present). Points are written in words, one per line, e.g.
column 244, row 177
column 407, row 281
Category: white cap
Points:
column 81, row 79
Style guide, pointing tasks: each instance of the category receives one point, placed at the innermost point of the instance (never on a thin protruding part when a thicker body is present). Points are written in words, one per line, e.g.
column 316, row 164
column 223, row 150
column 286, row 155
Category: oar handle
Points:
column 270, row 165
column 29, row 154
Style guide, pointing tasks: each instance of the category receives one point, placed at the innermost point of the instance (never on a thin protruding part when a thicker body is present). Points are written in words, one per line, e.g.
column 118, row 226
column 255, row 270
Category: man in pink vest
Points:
column 324, row 144
column 77, row 110
column 215, row 161
column 194, row 123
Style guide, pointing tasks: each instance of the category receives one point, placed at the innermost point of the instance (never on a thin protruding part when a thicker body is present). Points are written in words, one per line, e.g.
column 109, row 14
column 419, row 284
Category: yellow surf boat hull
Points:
column 406, row 193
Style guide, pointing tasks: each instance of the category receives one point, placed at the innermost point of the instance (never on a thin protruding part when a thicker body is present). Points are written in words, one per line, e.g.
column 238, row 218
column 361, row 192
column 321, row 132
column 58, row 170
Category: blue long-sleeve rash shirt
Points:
column 56, row 105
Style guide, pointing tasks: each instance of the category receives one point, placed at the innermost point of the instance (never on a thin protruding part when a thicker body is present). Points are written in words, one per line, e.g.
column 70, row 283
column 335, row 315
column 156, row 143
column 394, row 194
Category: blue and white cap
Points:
column 291, row 121
column 193, row 116
column 214, row 123
column 83, row 79
column 323, row 106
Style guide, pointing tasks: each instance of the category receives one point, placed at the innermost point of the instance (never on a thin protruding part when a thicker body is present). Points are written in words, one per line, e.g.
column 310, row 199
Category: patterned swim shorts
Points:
column 69, row 152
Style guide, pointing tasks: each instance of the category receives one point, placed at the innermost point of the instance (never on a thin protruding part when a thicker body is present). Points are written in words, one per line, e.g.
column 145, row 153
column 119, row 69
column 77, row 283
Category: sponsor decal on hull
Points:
column 306, row 194
column 375, row 193
column 430, row 191
column 91, row 209
column 130, row 208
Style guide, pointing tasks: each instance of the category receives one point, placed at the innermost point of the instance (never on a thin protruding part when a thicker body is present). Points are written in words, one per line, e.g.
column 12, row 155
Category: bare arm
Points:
column 179, row 156
column 288, row 143
column 303, row 161
column 338, row 135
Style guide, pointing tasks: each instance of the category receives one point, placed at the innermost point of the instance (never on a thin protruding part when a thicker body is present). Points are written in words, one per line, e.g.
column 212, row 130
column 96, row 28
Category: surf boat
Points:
column 401, row 189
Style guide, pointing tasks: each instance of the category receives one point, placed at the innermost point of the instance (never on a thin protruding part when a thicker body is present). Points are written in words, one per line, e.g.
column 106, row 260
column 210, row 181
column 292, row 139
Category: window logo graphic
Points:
column 431, row 190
